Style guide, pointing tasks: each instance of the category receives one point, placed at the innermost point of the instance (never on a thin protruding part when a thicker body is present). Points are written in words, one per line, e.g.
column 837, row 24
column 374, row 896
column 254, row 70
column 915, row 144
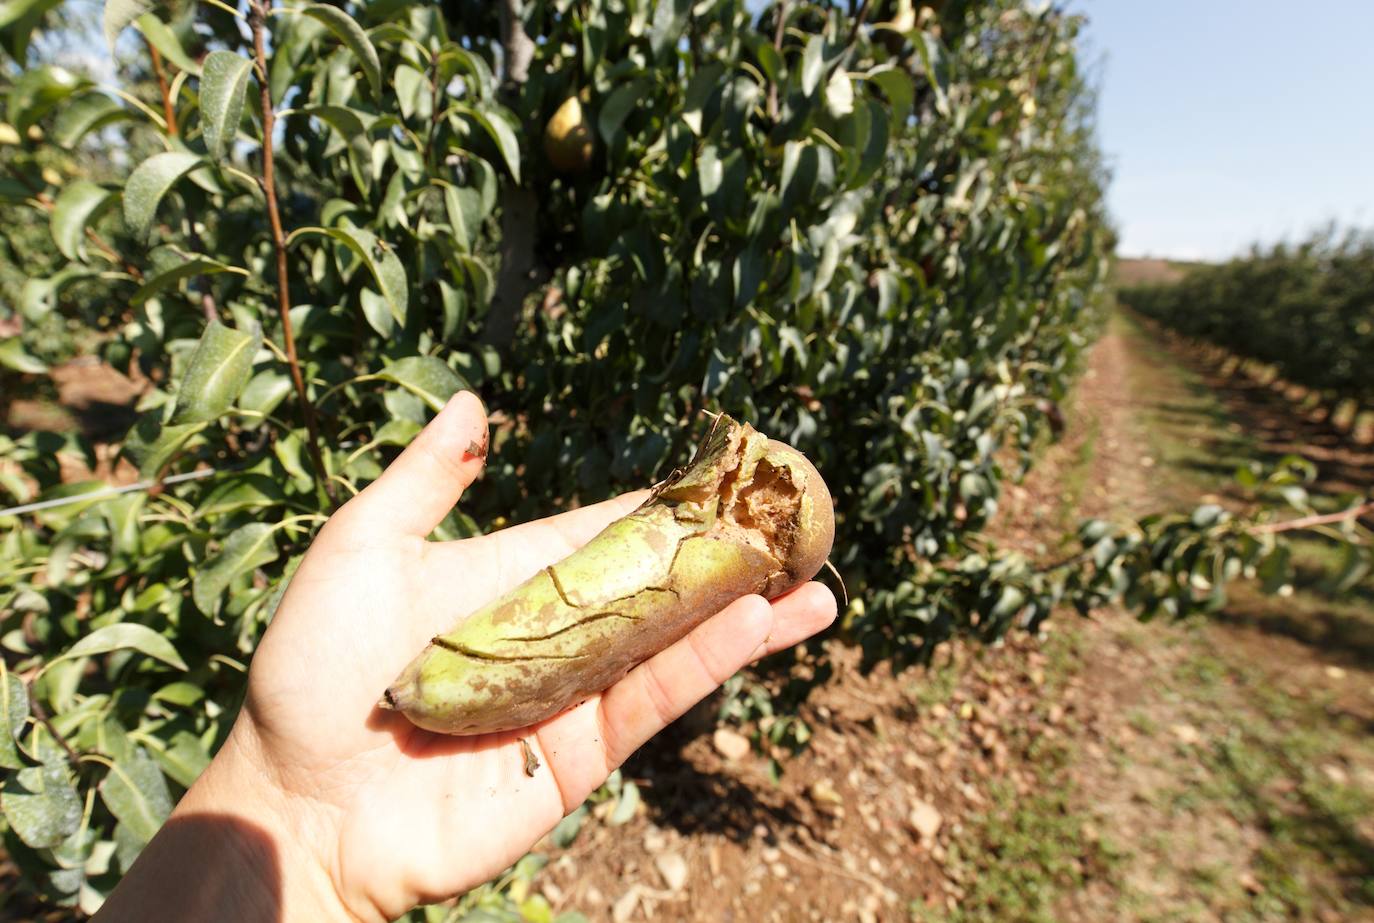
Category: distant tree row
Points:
column 1307, row 309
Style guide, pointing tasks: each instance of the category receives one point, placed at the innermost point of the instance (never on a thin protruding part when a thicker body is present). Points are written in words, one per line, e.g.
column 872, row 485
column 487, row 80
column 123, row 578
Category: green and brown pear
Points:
column 748, row 515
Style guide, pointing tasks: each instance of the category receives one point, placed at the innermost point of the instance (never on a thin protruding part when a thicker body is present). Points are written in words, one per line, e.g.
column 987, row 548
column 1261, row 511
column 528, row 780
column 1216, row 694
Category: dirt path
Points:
column 1226, row 782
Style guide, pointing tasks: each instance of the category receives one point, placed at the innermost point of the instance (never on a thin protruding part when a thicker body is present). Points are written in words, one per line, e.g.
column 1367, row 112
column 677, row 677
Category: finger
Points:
column 418, row 489
column 574, row 528
column 514, row 555
column 583, row 745
column 495, row 563
column 801, row 613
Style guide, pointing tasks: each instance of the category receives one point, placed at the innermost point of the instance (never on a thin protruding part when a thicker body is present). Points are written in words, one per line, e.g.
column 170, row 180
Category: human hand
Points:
column 322, row 806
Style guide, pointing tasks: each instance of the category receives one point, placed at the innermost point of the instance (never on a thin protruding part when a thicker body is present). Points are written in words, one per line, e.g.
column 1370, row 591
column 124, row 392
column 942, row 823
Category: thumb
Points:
column 418, row 489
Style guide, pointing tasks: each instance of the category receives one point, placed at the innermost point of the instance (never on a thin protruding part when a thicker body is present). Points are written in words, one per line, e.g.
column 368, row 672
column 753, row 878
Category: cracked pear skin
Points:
column 749, row 515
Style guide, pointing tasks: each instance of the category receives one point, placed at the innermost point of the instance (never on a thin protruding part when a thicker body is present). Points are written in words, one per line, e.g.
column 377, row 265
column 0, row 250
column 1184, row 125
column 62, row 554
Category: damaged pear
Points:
column 748, row 515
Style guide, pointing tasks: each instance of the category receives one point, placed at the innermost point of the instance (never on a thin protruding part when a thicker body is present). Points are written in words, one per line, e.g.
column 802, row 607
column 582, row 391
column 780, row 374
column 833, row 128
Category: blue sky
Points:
column 1228, row 122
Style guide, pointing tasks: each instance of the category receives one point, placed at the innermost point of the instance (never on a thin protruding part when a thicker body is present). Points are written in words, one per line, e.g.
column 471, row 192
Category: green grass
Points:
column 1191, row 434
column 1077, row 477
column 1024, row 852
column 1028, row 850
column 936, row 687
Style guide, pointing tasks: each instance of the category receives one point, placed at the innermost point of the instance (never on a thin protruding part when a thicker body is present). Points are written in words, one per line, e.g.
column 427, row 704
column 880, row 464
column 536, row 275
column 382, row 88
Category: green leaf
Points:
column 617, row 107
column 13, row 192
column 219, row 368
column 501, row 132
column 83, row 115
column 122, row 515
column 38, row 91
column 149, row 183
column 464, row 208
column 14, row 711
column 670, row 18
column 897, row 85
column 625, row 808
column 426, row 377
column 120, row 14
column 14, row 356
column 41, row 804
column 875, row 148
column 801, row 166
column 78, row 204
column 166, row 42
column 839, row 95
column 11, row 11
column 274, row 600
column 184, row 759
column 19, row 18
column 376, row 311
column 455, row 58
column 247, row 548
column 565, row 832
column 347, row 30
column 483, row 285
column 38, row 297
column 136, row 793
column 704, row 82
column 240, row 492
column 264, row 392
column 352, row 128
column 193, row 265
column 123, row 636
column 412, row 90
column 221, row 99
column 181, row 693
column 396, row 432
column 288, row 449
column 151, row 444
column 770, row 61
column 1275, row 571
column 381, row 260
column 813, row 64
column 936, row 68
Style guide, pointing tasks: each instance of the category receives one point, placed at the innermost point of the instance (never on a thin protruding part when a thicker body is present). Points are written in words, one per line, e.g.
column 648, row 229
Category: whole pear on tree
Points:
column 568, row 140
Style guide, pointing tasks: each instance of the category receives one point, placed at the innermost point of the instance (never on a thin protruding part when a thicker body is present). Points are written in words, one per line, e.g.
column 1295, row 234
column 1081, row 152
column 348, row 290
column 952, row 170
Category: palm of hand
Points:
column 416, row 816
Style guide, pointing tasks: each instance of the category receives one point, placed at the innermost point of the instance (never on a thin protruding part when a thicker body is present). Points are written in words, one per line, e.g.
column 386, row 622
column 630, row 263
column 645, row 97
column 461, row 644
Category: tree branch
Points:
column 436, row 112
column 778, row 31
column 257, row 22
column 519, row 205
column 1307, row 522
column 41, row 715
column 518, row 48
column 859, row 18
column 168, row 112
